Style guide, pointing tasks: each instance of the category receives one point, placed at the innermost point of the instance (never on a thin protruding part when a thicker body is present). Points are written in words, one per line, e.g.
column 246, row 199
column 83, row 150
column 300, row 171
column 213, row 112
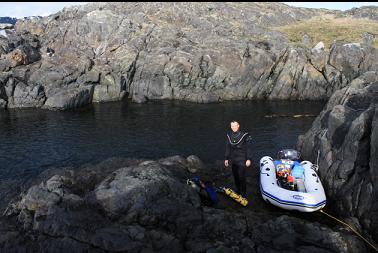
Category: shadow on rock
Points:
column 124, row 205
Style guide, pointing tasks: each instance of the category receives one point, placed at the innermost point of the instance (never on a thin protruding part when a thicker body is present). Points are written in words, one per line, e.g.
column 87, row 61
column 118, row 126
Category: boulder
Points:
column 146, row 206
column 306, row 40
column 6, row 26
column 195, row 164
column 26, row 96
column 368, row 38
column 3, row 103
column 17, row 57
column 146, row 194
column 319, row 56
column 347, row 59
column 109, row 89
column 70, row 98
column 293, row 234
column 124, row 193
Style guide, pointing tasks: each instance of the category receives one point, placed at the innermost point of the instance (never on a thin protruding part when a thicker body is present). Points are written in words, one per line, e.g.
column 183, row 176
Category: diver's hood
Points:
column 236, row 137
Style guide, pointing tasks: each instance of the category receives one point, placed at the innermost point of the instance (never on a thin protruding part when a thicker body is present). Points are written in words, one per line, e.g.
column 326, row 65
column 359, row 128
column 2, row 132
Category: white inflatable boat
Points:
column 304, row 193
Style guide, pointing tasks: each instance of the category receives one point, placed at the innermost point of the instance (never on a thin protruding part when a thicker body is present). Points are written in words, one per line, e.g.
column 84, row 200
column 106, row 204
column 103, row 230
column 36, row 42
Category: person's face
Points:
column 235, row 126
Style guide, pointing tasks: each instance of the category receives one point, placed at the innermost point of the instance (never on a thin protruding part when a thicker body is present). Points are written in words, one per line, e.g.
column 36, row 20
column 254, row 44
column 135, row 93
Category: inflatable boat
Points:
column 290, row 184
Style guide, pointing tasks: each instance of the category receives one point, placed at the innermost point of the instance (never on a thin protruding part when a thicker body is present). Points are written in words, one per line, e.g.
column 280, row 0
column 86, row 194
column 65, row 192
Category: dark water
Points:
column 33, row 140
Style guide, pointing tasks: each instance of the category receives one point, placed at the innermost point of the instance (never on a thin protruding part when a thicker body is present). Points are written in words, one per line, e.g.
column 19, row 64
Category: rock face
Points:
column 199, row 52
column 370, row 12
column 72, row 98
column 345, row 132
column 147, row 207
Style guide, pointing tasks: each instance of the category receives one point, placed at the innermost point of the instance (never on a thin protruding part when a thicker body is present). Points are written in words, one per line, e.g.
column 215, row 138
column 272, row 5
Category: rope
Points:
column 285, row 115
column 375, row 248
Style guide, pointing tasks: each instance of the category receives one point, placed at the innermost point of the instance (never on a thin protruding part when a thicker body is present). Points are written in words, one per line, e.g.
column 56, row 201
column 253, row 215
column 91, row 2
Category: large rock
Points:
column 17, row 57
column 164, row 51
column 70, row 98
column 290, row 233
column 368, row 38
column 150, row 51
column 147, row 207
column 319, row 56
column 195, row 164
column 26, row 96
column 370, row 12
column 3, row 103
column 18, row 49
column 348, row 65
column 124, row 192
column 110, row 89
column 69, row 208
column 345, row 134
column 6, row 26
column 306, row 40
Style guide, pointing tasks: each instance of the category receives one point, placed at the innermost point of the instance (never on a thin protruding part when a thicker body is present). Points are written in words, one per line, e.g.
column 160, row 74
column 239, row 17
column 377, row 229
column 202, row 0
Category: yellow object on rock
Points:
column 235, row 196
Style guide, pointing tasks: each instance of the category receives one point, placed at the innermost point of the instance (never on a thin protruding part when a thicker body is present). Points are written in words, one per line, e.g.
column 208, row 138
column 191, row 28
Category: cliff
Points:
column 345, row 133
column 200, row 52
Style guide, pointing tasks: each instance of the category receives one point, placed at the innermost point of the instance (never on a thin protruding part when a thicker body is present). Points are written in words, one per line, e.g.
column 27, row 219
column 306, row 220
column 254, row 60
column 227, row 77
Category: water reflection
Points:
column 32, row 140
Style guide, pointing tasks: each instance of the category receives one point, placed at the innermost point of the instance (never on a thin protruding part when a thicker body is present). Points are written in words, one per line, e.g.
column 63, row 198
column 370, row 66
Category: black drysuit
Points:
column 238, row 151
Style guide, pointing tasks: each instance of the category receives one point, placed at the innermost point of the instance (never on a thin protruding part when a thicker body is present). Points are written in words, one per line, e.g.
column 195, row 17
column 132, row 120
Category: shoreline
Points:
column 174, row 170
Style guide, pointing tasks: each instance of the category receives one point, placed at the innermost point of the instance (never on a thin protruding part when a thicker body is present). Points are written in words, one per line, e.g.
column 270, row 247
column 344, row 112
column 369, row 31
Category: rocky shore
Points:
column 123, row 205
column 345, row 133
column 200, row 52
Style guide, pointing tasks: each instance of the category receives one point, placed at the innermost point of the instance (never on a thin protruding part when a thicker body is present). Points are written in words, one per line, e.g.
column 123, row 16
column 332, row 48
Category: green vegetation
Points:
column 327, row 28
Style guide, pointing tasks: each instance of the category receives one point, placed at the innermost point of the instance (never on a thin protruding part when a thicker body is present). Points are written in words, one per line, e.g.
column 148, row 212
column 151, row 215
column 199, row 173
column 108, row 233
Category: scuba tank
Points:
column 193, row 185
column 198, row 185
column 238, row 198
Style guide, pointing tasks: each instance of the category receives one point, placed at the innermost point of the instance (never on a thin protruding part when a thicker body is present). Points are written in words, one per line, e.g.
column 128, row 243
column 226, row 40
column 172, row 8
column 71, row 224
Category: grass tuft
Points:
column 328, row 28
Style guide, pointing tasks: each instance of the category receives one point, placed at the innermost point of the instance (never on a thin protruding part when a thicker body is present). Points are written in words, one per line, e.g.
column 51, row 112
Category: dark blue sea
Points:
column 32, row 140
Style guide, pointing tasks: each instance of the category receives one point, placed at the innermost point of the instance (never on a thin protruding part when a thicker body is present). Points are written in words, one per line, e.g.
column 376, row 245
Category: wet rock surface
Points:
column 124, row 205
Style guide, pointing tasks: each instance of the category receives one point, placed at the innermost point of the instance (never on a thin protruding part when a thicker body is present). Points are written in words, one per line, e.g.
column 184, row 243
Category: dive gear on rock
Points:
column 199, row 185
column 238, row 198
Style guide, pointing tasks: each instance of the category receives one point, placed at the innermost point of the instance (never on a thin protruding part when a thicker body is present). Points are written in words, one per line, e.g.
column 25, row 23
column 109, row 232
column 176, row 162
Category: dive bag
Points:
column 199, row 185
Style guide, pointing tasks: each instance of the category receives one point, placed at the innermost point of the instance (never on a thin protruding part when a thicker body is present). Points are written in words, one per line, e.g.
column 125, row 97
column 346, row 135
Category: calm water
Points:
column 32, row 140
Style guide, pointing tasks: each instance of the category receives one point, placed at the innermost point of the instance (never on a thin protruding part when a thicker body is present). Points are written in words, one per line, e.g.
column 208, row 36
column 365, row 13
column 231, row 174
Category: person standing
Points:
column 238, row 155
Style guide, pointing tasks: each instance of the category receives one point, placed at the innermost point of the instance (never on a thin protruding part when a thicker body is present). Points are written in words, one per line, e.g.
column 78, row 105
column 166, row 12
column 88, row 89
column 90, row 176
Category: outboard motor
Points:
column 290, row 154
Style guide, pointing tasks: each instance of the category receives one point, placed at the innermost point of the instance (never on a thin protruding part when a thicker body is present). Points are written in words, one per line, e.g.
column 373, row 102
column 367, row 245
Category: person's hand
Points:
column 226, row 163
column 248, row 163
